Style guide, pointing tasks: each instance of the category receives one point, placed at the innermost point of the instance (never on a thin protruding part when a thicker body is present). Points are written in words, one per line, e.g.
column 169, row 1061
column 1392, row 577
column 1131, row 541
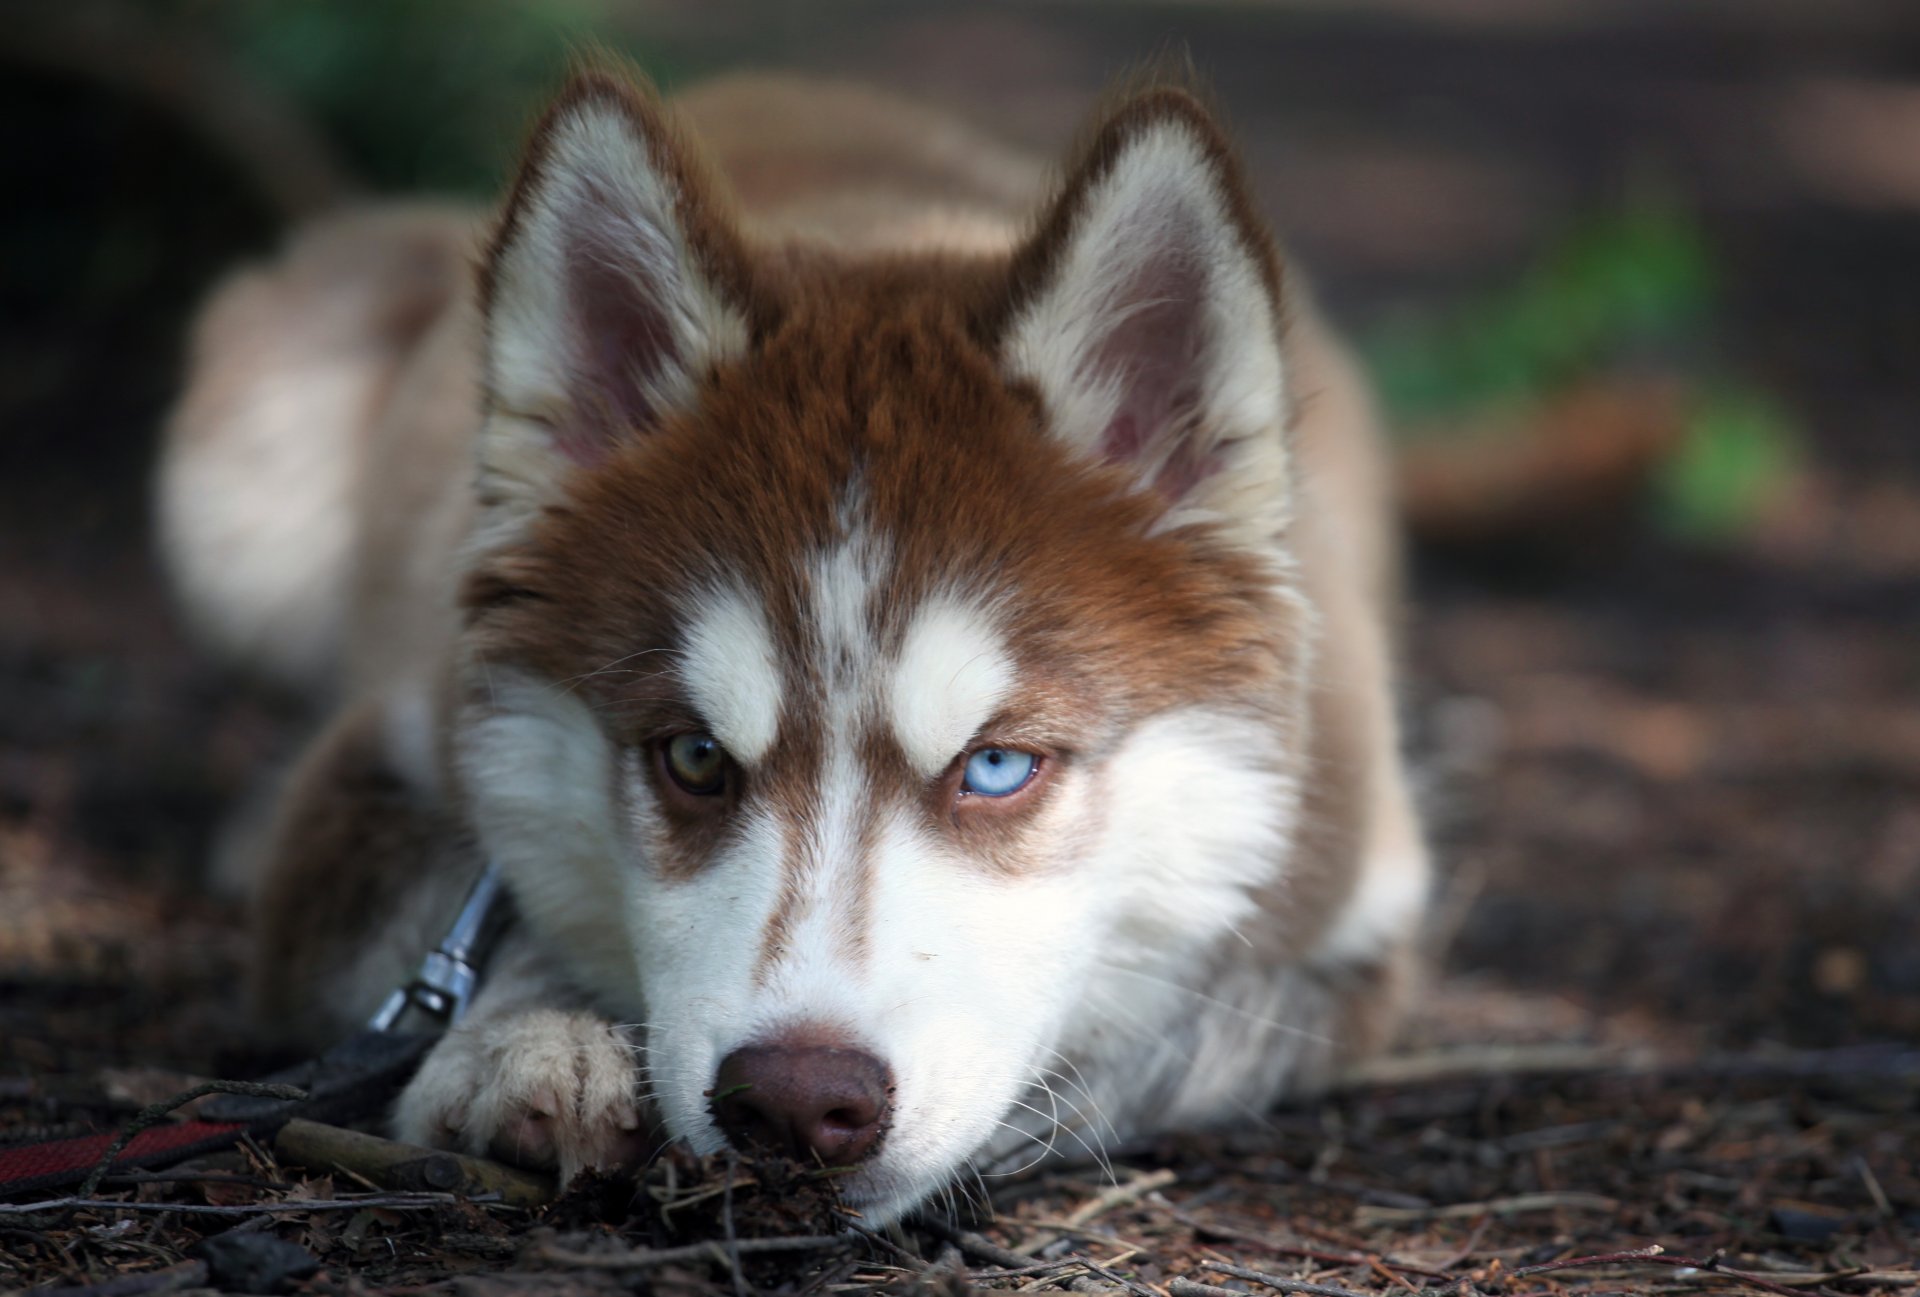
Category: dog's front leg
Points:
column 530, row 1077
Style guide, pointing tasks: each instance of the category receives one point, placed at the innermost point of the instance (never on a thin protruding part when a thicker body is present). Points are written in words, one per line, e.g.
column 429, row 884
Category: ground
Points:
column 1675, row 786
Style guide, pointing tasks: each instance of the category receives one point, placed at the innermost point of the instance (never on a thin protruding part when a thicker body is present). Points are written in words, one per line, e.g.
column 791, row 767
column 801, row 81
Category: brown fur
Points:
column 345, row 806
column 872, row 354
column 889, row 369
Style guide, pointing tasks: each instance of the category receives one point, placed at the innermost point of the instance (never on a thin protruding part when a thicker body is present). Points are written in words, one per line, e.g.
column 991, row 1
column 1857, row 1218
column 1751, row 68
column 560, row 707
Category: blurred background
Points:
column 1637, row 279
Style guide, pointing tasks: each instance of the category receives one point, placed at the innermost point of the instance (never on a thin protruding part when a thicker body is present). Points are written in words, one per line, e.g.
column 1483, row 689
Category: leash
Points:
column 356, row 1077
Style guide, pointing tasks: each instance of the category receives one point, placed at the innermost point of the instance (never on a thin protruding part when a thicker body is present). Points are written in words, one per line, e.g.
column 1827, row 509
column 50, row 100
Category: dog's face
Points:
column 861, row 660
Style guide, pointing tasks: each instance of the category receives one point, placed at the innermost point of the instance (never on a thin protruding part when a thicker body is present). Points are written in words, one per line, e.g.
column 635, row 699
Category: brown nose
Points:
column 811, row 1101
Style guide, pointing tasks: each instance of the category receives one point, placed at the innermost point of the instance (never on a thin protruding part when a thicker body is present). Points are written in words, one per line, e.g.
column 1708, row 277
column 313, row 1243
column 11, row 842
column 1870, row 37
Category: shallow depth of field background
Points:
column 1638, row 281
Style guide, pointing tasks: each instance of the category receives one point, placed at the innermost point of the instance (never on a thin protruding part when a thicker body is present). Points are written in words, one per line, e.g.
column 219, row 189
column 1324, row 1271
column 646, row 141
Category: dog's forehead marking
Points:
column 731, row 669
column 953, row 672
column 842, row 579
column 826, row 874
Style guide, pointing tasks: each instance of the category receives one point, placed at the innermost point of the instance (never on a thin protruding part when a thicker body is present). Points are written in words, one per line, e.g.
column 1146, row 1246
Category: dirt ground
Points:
column 1675, row 788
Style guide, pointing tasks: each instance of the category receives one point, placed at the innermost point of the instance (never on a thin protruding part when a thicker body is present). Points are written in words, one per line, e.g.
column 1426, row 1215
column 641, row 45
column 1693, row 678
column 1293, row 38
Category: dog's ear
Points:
column 1145, row 310
column 615, row 282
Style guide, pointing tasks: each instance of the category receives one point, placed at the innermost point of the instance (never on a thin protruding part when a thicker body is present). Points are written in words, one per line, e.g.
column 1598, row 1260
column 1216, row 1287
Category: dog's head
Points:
column 861, row 657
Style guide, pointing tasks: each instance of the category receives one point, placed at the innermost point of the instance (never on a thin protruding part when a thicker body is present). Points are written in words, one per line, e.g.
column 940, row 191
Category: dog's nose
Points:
column 812, row 1101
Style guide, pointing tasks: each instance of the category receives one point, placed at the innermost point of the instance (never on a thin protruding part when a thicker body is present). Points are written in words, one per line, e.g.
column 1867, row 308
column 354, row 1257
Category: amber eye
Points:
column 697, row 763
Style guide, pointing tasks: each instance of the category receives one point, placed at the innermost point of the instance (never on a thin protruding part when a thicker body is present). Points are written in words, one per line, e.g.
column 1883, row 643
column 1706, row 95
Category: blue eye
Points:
column 998, row 772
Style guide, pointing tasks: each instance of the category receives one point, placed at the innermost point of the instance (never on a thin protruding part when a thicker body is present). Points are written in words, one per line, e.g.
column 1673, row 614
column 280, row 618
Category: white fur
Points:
column 728, row 663
column 1046, row 1009
column 598, row 177
column 1163, row 200
column 1384, row 909
column 540, row 775
column 953, row 672
column 697, row 941
column 1110, row 971
column 841, row 581
column 256, row 527
column 962, row 981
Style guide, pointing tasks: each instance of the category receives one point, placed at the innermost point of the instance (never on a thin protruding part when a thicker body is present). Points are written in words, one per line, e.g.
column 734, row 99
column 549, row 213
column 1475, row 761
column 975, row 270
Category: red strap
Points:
column 31, row 1167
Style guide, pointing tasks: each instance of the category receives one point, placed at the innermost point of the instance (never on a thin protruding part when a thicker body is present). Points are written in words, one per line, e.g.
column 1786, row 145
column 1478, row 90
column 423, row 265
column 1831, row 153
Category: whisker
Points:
column 567, row 685
column 1285, row 1028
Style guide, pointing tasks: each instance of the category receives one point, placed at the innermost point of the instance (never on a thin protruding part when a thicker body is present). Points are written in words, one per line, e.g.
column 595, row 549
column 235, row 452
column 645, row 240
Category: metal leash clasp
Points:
column 444, row 987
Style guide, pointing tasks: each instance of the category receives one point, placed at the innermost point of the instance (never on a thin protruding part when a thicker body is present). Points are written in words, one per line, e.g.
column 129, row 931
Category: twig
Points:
column 1025, row 1271
column 1280, row 1282
column 973, row 1245
column 1194, row 1288
column 1368, row 1215
column 1114, row 1196
column 1466, row 1249
column 1379, row 1267
column 670, row 1205
column 153, row 1113
column 1199, row 1226
column 886, row 1244
column 1656, row 1255
column 1603, row 1258
column 1879, row 1195
column 1496, row 1060
column 709, row 1250
column 137, row 1177
column 1131, row 1285
column 726, row 1225
column 389, row 1164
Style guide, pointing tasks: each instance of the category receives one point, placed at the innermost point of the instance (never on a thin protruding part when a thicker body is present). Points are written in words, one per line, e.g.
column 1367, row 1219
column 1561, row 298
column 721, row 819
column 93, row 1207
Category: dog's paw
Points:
column 542, row 1089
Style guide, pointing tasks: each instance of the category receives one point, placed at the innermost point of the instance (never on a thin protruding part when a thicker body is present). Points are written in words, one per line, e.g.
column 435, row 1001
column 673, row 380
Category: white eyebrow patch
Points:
column 728, row 665
column 953, row 672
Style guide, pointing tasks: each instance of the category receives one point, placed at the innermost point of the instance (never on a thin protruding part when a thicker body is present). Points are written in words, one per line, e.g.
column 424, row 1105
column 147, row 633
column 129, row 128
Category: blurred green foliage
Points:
column 437, row 95
column 420, row 94
column 1739, row 449
column 1621, row 286
column 1627, row 291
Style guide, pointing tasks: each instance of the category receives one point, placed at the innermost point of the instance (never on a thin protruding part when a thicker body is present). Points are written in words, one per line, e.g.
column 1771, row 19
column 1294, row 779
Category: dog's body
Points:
column 933, row 667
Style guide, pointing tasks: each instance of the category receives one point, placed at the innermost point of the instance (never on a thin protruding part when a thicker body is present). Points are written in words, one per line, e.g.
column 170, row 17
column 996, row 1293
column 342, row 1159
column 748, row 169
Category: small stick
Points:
column 726, row 1223
column 389, row 1164
column 888, row 1245
column 710, row 1250
column 1602, row 1258
column 1656, row 1255
column 1133, row 1286
column 136, row 1178
column 974, row 1245
column 1466, row 1249
column 1872, row 1181
column 1114, row 1196
column 1280, row 1282
column 1194, row 1288
column 1524, row 1202
column 1379, row 1268
column 1218, row 1230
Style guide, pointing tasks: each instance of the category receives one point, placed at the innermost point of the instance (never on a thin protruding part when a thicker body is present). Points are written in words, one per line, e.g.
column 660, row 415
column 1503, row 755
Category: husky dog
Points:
column 914, row 637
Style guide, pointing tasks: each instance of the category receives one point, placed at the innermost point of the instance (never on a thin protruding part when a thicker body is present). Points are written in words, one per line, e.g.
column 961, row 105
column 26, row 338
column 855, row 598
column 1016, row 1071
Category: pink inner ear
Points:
column 620, row 279
column 1156, row 351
